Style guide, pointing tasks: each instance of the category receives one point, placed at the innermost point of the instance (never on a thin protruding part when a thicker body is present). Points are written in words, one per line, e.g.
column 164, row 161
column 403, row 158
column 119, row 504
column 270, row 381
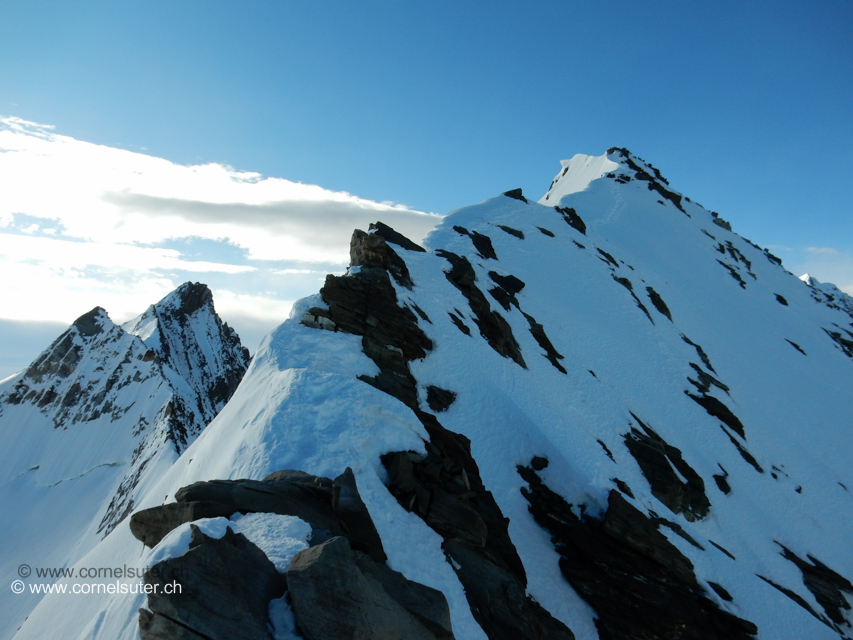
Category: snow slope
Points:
column 652, row 311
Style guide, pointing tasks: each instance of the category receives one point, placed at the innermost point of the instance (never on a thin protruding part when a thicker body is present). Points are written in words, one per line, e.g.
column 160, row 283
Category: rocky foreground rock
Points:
column 340, row 587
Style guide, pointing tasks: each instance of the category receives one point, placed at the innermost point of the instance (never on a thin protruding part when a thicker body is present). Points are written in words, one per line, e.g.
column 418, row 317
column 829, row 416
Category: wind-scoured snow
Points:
column 653, row 293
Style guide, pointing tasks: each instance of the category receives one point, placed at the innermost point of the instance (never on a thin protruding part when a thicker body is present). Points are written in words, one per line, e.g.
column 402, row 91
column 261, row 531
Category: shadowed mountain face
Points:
column 602, row 415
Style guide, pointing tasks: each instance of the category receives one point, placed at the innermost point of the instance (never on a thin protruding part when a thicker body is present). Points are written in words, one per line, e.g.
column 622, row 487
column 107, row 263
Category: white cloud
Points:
column 84, row 225
column 829, row 251
column 109, row 195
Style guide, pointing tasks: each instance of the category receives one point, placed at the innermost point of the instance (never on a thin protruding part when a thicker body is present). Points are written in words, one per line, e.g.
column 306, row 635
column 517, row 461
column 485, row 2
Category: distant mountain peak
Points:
column 92, row 322
column 618, row 163
column 106, row 409
column 188, row 298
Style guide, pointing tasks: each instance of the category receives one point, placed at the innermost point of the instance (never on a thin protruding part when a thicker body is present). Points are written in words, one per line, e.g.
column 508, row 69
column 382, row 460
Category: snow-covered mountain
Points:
column 602, row 415
column 98, row 417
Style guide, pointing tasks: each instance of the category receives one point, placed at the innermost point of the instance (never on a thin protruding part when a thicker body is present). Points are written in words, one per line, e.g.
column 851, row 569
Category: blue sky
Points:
column 744, row 106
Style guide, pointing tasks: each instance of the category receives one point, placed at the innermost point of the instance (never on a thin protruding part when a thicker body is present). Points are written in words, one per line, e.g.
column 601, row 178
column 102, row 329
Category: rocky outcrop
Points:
column 827, row 586
column 364, row 303
column 439, row 399
column 716, row 409
column 222, row 590
column 331, row 507
column 371, row 251
column 658, row 302
column 187, row 336
column 672, row 480
column 60, row 387
column 493, row 327
column 338, row 588
column 394, row 237
column 639, row 584
column 337, row 593
column 654, row 180
column 444, row 488
column 516, row 194
column 482, row 243
column 572, row 218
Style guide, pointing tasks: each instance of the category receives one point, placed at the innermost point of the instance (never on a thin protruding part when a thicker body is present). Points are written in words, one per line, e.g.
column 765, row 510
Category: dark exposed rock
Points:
column 606, row 257
column 781, row 300
column 722, row 223
column 639, row 584
column 370, row 250
column 159, row 627
column 89, row 323
column 706, row 380
column 656, row 459
column 459, row 324
column 538, row 333
column 654, row 183
column 510, row 284
column 493, row 327
column 331, row 507
column 177, row 346
column 538, row 463
column 630, row 287
column 720, row 591
column 771, row 257
column 796, row 346
column 604, row 446
column 151, row 525
column 507, row 287
column 700, row 351
column 515, row 193
column 365, row 303
column 445, row 490
column 513, row 232
column 746, row 455
column 826, row 585
column 660, row 305
column 394, row 237
column 572, row 219
column 550, row 234
column 226, row 585
column 735, row 253
column 725, row 551
column 421, row 312
column 734, row 274
column 340, row 593
column 439, row 399
column 722, row 482
column 620, row 484
column 675, row 528
column 796, row 597
column 845, row 344
column 483, row 244
column 718, row 410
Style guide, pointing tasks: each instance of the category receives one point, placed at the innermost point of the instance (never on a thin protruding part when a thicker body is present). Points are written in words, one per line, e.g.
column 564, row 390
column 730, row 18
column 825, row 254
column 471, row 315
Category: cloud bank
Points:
column 84, row 225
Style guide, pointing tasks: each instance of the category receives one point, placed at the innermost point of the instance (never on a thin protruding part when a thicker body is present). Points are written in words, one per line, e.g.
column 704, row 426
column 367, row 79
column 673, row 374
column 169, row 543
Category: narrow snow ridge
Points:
column 576, row 174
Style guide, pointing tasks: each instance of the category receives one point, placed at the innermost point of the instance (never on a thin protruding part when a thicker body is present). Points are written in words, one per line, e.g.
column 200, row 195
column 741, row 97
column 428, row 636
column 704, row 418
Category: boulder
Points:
column 222, row 587
column 331, row 507
column 339, row 593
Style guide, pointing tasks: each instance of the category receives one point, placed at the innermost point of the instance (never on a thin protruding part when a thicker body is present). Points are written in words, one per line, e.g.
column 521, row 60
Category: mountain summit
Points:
column 602, row 415
column 99, row 415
